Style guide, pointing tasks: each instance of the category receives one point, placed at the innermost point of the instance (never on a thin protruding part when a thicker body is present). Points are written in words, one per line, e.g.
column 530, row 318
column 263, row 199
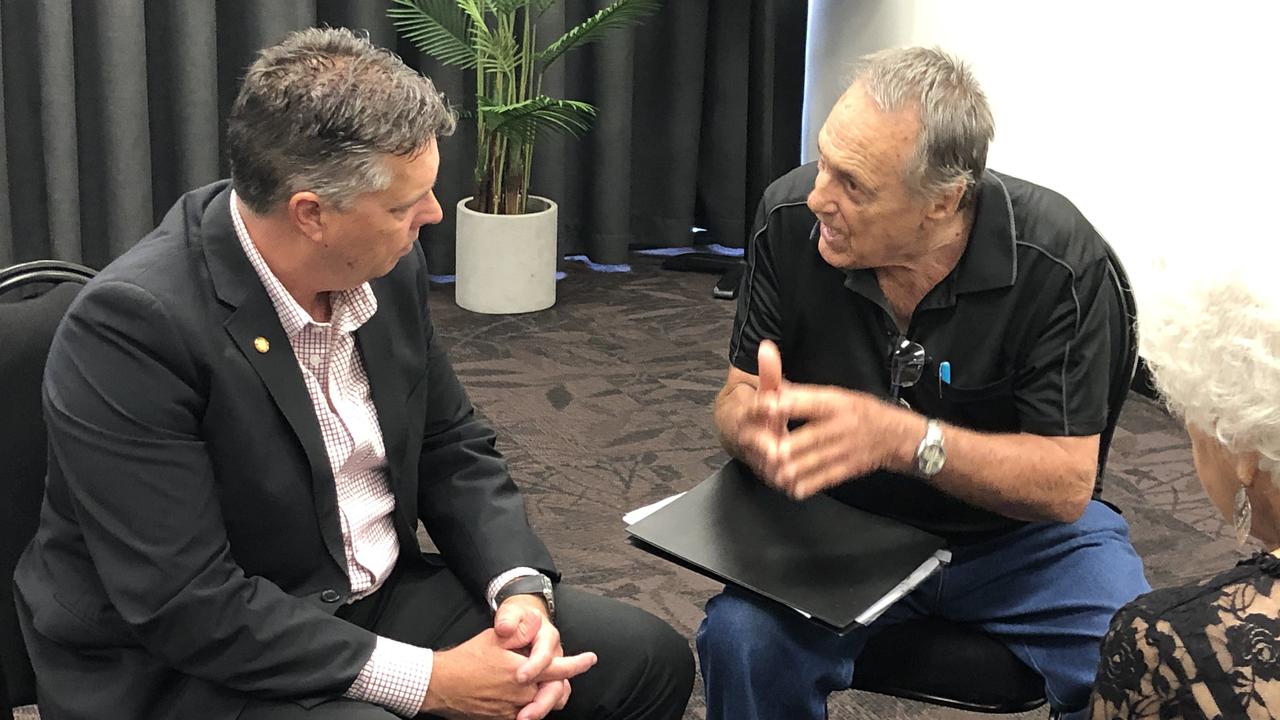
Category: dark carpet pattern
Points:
column 603, row 404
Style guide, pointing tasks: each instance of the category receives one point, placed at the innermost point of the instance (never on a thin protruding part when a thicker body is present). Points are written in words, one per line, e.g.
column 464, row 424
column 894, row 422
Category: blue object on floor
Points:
column 713, row 248
column 722, row 250
column 450, row 279
column 598, row 267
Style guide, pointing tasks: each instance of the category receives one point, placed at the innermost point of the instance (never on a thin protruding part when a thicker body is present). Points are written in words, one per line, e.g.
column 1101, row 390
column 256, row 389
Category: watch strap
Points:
column 539, row 585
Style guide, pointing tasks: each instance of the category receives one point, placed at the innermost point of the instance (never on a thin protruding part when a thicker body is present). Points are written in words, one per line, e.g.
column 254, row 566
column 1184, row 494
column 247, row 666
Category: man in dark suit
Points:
column 249, row 412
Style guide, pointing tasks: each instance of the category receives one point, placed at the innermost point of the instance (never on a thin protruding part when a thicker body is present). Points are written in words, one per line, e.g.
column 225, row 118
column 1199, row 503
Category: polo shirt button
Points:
column 330, row 596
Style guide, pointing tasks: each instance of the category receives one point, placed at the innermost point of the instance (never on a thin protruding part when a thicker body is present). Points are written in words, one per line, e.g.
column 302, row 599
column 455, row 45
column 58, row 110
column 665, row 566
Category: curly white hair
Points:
column 1213, row 347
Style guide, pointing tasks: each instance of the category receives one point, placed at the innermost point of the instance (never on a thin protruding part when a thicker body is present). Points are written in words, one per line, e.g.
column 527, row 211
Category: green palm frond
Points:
column 524, row 121
column 496, row 51
column 506, row 7
column 438, row 28
column 500, row 43
column 473, row 10
column 503, row 49
column 617, row 15
column 496, row 46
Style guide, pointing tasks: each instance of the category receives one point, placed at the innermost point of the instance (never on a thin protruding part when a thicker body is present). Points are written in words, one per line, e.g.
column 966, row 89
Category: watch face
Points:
column 931, row 459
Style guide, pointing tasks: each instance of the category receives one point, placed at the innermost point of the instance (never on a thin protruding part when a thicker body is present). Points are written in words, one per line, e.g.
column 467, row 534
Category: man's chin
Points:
column 841, row 258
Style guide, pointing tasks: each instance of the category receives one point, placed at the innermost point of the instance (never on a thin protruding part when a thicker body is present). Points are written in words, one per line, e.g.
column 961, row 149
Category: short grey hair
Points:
column 956, row 126
column 1212, row 344
column 320, row 111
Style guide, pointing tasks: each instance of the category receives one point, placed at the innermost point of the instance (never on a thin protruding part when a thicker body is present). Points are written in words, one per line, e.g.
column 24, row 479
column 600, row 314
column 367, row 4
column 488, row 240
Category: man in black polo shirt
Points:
column 944, row 333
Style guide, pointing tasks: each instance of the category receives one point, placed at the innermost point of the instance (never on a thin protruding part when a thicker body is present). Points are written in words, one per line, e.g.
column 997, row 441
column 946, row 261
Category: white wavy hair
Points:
column 1213, row 346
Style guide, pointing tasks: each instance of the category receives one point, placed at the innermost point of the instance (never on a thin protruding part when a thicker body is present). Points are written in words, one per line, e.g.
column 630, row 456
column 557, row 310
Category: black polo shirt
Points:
column 1024, row 320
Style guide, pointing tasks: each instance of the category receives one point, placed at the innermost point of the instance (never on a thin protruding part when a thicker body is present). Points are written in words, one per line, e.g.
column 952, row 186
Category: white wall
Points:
column 1156, row 118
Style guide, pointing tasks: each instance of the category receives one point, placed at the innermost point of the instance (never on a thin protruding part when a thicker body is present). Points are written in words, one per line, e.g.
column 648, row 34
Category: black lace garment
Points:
column 1201, row 651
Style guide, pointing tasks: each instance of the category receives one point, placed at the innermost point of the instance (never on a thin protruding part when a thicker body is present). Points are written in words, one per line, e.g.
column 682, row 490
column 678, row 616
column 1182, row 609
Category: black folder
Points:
column 827, row 560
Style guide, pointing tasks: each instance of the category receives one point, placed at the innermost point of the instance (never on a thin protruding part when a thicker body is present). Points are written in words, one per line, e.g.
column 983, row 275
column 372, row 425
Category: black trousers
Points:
column 644, row 671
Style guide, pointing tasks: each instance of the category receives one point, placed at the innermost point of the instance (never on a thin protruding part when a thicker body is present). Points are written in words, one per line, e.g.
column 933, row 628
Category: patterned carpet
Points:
column 603, row 404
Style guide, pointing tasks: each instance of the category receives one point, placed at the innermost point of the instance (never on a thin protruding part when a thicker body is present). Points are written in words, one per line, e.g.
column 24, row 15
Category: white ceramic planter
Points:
column 506, row 263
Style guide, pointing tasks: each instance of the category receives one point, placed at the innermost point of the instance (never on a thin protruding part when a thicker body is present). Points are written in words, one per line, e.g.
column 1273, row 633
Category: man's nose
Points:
column 819, row 201
column 431, row 212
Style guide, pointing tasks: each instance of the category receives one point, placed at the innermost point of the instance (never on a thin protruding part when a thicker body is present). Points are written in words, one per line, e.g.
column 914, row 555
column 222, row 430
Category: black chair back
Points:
column 33, row 298
column 1124, row 335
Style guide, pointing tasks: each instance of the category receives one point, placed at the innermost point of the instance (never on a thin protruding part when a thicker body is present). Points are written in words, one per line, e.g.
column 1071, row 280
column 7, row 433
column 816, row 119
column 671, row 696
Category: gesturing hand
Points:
column 846, row 434
column 763, row 426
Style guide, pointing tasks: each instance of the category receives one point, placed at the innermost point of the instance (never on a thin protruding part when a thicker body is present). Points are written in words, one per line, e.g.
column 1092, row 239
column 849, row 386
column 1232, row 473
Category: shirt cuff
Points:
column 491, row 594
column 396, row 677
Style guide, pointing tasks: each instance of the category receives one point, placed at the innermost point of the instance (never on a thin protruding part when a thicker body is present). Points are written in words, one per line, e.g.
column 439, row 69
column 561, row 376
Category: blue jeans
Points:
column 1047, row 590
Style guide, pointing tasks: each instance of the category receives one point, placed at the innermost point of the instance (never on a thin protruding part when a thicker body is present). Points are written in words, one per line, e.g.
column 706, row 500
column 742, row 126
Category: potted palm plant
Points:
column 506, row 238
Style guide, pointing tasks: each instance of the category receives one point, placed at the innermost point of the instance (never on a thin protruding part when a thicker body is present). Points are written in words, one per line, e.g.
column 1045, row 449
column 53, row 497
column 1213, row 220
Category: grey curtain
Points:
column 111, row 109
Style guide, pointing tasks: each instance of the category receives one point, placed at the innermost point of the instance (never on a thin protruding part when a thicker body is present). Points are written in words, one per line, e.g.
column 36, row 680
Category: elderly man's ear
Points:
column 947, row 202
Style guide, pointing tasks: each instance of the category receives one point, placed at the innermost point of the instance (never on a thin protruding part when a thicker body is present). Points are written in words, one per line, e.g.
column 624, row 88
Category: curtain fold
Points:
column 114, row 138
column 753, row 99
column 182, row 82
column 59, row 144
column 6, row 210
column 113, row 109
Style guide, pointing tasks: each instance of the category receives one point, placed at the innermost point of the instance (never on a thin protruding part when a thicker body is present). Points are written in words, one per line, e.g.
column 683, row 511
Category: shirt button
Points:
column 315, row 360
column 330, row 596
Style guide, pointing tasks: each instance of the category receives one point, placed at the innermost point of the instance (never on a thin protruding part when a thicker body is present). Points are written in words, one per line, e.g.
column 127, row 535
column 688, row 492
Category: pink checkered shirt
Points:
column 397, row 674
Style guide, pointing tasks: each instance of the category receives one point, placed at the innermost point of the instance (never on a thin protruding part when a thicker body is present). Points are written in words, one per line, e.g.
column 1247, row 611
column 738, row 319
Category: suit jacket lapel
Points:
column 253, row 317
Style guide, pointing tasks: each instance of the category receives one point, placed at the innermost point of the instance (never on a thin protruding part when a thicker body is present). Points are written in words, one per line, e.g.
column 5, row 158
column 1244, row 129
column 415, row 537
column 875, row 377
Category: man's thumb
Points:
column 769, row 360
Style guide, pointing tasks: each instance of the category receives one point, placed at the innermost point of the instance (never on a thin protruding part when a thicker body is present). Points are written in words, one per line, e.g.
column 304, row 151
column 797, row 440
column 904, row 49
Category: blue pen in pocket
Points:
column 944, row 375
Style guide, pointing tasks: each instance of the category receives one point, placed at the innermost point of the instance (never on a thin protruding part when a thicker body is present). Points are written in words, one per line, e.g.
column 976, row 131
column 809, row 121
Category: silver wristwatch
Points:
column 930, row 455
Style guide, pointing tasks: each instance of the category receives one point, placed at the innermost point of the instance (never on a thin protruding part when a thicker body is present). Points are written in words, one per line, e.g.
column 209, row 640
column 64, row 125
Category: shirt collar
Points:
column 990, row 260
column 350, row 308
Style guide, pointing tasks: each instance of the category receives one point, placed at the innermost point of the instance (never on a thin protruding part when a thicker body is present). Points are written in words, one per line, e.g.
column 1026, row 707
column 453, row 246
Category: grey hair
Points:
column 956, row 126
column 1212, row 344
column 320, row 111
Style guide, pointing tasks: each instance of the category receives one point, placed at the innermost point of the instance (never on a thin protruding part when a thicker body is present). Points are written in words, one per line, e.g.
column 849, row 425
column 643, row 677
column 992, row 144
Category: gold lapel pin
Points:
column 261, row 344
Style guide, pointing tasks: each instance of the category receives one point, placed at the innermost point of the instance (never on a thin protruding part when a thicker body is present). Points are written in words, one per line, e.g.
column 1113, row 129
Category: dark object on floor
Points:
column 33, row 298
column 728, row 266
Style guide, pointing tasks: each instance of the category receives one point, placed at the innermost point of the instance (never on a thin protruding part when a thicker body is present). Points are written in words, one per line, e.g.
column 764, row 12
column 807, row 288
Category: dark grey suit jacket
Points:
column 189, row 551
